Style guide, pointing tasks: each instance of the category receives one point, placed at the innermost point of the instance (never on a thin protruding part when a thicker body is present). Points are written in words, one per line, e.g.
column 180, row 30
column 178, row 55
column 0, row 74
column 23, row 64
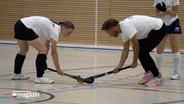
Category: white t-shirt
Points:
column 139, row 25
column 43, row 27
column 168, row 19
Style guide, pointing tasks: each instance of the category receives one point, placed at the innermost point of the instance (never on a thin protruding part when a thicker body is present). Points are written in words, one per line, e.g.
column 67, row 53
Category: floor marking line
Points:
column 171, row 102
column 79, row 47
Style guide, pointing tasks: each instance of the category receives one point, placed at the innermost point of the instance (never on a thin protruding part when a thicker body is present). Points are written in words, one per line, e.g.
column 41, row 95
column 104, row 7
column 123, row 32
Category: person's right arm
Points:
column 55, row 57
column 124, row 56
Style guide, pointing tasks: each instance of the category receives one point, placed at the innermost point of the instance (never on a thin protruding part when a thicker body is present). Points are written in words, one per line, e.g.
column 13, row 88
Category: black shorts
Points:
column 23, row 33
column 174, row 28
column 153, row 39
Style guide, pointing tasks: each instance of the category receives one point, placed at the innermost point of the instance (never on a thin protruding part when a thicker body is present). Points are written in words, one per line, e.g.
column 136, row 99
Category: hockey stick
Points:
column 91, row 79
column 78, row 78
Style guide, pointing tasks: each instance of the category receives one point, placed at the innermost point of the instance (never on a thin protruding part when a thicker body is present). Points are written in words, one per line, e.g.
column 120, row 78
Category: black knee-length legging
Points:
column 147, row 45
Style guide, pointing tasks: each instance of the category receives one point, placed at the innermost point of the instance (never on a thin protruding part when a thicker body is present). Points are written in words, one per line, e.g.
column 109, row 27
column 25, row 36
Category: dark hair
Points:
column 109, row 24
column 67, row 24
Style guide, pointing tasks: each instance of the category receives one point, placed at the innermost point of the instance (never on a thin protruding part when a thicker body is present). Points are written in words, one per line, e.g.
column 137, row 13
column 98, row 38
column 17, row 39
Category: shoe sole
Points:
column 174, row 79
column 44, row 82
column 143, row 82
column 153, row 86
column 20, row 78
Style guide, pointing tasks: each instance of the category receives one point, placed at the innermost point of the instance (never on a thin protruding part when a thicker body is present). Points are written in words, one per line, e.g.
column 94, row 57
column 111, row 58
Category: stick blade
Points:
column 89, row 80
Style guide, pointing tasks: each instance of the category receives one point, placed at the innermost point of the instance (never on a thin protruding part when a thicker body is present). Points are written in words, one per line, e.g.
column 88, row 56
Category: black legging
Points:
column 147, row 45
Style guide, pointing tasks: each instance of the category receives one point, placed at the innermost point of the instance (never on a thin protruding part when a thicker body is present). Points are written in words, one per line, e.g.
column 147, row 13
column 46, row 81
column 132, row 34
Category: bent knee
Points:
column 42, row 50
column 23, row 51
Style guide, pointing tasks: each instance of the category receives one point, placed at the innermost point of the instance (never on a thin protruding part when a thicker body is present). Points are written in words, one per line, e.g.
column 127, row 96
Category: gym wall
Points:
column 87, row 16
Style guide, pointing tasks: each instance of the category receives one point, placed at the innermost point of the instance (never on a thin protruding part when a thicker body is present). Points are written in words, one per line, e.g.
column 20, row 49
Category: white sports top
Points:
column 168, row 19
column 139, row 25
column 43, row 27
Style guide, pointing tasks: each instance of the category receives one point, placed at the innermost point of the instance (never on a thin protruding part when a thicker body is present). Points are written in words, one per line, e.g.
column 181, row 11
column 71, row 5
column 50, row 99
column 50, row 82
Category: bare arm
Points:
column 174, row 11
column 124, row 54
column 136, row 49
column 55, row 57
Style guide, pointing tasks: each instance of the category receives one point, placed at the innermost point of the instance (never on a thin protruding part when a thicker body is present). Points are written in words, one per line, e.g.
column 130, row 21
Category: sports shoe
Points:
column 175, row 76
column 19, row 77
column 154, row 82
column 147, row 77
column 43, row 80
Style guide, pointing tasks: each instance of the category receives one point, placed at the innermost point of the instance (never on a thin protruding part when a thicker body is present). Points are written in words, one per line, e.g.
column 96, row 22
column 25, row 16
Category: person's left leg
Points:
column 41, row 63
column 146, row 46
column 152, row 76
column 41, row 58
column 174, row 41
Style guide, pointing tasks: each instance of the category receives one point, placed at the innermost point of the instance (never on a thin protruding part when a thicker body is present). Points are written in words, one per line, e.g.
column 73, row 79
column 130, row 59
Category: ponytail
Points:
column 67, row 24
column 60, row 23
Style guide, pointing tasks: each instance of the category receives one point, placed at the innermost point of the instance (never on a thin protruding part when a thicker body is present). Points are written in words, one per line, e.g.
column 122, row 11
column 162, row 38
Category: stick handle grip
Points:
column 110, row 72
column 51, row 69
column 125, row 68
column 71, row 76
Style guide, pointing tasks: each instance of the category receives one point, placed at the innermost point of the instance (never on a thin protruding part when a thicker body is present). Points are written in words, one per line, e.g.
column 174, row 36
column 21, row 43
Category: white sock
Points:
column 158, row 61
column 177, row 62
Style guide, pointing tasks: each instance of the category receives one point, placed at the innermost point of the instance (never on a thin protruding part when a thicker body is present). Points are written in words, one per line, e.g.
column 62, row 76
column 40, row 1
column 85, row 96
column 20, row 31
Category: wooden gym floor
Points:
column 121, row 88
